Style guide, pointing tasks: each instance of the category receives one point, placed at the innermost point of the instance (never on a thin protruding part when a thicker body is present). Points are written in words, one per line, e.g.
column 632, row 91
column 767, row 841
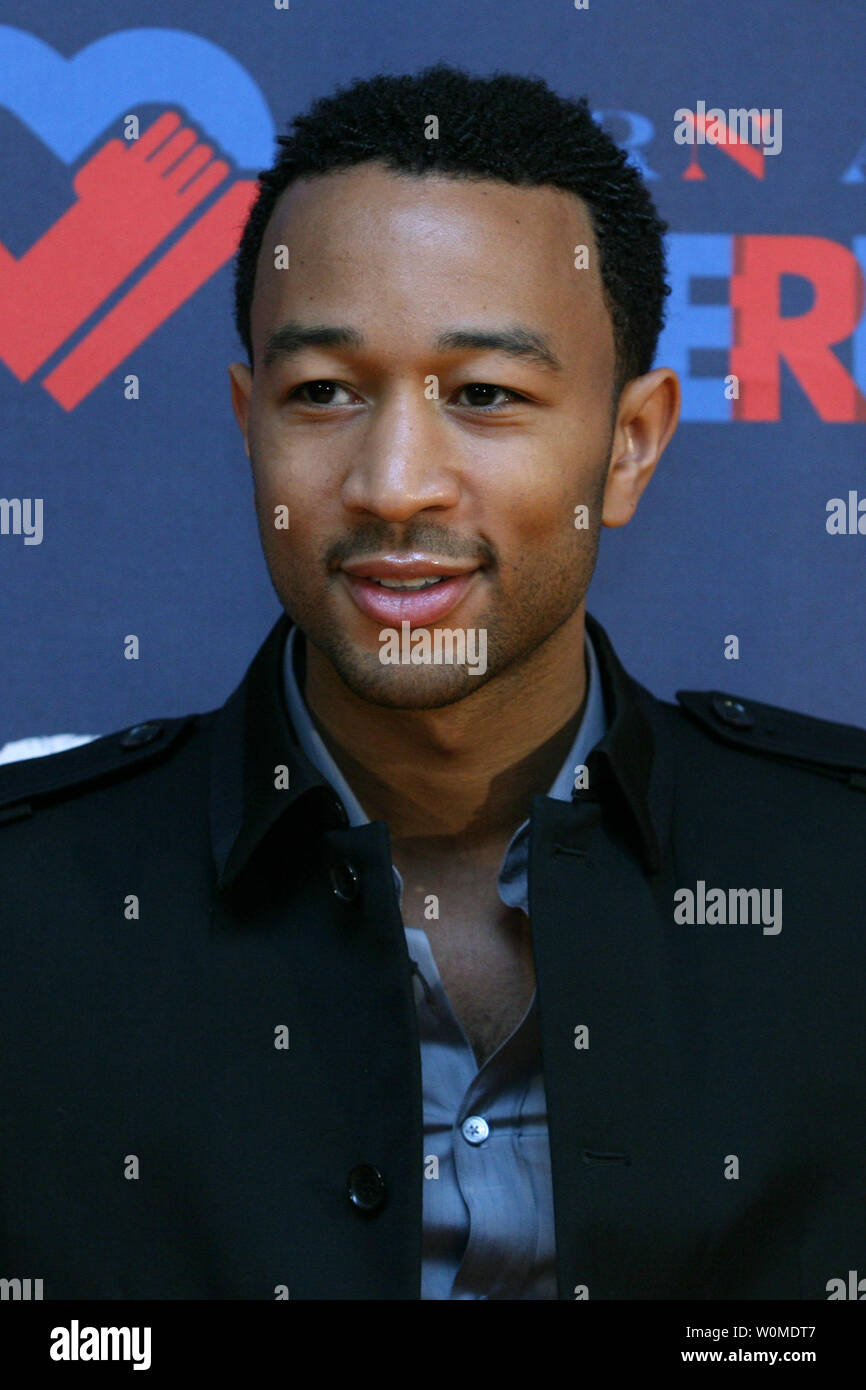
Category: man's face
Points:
column 478, row 470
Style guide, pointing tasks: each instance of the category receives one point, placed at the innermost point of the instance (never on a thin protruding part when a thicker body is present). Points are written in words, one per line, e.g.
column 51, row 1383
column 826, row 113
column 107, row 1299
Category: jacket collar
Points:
column 253, row 738
column 631, row 769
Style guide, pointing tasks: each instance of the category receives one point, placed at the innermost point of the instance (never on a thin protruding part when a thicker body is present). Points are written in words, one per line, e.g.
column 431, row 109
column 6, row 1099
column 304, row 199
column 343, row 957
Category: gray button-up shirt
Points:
column 488, row 1195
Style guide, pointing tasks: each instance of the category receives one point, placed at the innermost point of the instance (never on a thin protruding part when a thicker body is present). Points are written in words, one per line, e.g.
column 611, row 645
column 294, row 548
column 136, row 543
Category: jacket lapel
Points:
column 600, row 889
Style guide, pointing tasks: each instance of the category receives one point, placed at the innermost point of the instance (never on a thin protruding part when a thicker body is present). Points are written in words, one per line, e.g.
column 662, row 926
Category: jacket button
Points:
column 366, row 1187
column 344, row 881
column 140, row 734
column 732, row 711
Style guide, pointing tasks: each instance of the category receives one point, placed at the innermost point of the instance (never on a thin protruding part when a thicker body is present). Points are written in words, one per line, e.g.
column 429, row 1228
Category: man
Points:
column 450, row 966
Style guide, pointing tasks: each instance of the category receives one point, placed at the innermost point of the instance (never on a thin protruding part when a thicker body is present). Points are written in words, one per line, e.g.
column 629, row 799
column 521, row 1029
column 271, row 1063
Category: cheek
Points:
column 548, row 550
column 278, row 484
column 562, row 470
column 541, row 518
column 289, row 471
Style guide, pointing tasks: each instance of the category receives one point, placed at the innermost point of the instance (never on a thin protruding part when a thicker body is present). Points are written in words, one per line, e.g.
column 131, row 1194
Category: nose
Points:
column 405, row 462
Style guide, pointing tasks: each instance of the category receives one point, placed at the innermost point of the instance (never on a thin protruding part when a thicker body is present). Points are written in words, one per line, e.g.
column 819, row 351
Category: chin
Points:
column 408, row 687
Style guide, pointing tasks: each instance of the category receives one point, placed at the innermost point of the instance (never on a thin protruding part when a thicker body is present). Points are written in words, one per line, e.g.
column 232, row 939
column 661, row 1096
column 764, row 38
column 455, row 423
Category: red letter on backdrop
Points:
column 762, row 337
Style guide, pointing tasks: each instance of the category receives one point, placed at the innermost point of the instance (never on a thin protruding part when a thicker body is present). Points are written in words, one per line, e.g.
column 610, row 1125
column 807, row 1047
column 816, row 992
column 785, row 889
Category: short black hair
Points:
column 504, row 127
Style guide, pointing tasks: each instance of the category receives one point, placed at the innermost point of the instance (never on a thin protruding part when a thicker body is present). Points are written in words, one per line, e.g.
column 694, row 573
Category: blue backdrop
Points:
column 148, row 521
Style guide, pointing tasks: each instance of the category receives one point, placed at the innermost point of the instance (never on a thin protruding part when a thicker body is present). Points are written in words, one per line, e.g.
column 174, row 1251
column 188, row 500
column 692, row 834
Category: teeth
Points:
column 406, row 583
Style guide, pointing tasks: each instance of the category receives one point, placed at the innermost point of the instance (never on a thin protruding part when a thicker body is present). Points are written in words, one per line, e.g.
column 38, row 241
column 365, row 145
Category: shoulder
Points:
column 770, row 733
column 89, row 767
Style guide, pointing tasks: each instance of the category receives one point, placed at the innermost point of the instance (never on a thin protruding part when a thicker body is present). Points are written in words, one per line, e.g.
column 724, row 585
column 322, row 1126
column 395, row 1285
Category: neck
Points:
column 466, row 772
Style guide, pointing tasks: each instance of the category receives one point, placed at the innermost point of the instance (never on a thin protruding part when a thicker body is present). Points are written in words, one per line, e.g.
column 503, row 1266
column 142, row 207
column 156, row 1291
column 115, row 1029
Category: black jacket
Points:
column 709, row 1142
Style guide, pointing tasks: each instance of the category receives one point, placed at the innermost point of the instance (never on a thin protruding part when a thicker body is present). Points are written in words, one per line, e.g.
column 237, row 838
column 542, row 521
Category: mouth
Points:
column 419, row 599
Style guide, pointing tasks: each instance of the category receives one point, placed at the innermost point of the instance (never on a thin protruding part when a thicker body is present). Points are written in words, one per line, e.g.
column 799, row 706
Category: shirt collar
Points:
column 254, row 737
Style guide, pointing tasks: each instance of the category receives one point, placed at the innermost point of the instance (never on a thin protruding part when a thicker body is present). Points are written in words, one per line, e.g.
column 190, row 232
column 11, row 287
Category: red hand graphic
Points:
column 130, row 198
column 188, row 263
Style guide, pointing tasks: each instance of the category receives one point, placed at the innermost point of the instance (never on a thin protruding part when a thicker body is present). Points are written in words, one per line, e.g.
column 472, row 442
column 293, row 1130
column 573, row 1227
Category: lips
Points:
column 416, row 606
column 407, row 567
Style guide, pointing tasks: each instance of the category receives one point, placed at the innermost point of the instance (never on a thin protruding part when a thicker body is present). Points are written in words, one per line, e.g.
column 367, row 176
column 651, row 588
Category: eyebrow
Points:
column 515, row 341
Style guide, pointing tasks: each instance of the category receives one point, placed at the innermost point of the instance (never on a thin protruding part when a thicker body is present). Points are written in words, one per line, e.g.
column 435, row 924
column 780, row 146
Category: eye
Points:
column 486, row 390
column 482, row 395
column 320, row 392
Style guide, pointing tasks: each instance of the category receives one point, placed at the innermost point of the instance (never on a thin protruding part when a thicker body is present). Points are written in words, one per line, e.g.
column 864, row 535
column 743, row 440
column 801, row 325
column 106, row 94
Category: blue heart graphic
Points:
column 69, row 102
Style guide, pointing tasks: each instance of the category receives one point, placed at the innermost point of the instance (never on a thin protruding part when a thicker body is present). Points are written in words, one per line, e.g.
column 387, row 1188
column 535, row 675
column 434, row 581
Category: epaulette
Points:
column 33, row 782
column 836, row 750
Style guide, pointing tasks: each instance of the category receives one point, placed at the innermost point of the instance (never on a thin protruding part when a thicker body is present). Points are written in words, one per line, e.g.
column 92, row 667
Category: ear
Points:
column 647, row 415
column 241, row 379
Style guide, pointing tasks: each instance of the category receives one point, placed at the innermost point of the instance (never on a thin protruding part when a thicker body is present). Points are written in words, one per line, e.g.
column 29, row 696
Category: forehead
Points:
column 371, row 241
column 383, row 193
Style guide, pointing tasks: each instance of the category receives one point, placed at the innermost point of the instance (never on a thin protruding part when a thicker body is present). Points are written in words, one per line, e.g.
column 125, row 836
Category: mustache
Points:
column 375, row 539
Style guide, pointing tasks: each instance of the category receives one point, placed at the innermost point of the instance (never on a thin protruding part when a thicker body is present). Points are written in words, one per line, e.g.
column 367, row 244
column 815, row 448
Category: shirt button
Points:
column 475, row 1129
column 366, row 1187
